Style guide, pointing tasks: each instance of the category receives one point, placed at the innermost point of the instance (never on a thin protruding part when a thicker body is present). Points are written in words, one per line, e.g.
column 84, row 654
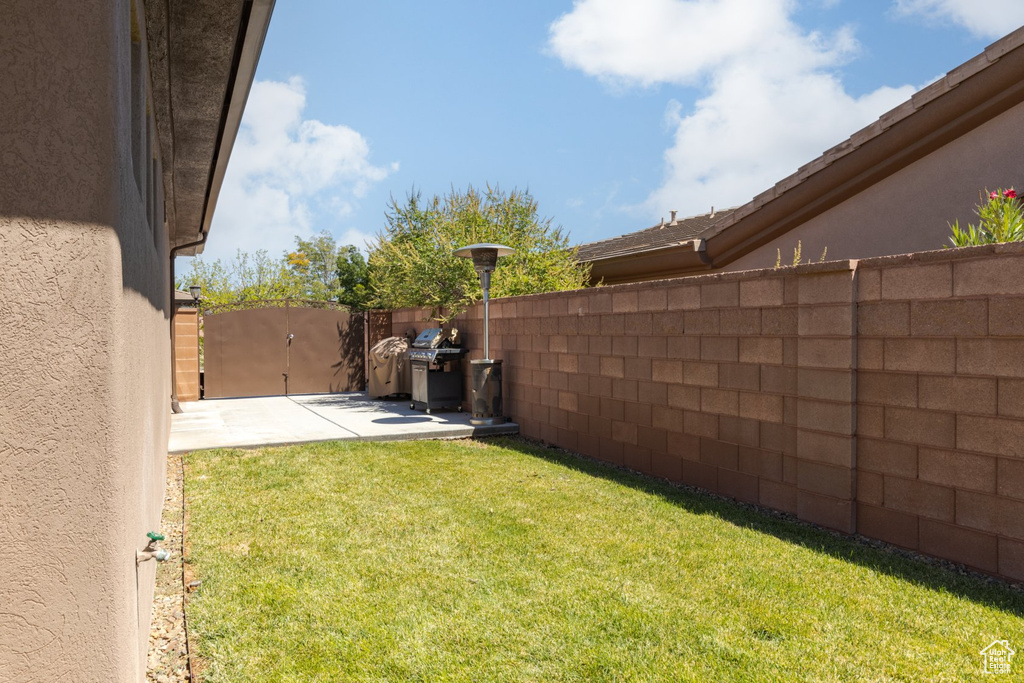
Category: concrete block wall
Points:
column 940, row 403
column 881, row 397
column 186, row 353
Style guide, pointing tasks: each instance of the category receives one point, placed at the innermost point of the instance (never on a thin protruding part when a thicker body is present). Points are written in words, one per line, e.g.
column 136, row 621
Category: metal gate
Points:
column 283, row 349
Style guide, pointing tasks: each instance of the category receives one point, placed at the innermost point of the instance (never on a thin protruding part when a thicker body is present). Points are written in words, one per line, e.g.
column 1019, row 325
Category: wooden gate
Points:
column 281, row 350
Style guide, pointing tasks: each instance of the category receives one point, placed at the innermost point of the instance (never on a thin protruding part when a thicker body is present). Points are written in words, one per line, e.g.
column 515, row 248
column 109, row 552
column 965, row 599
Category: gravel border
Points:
column 168, row 659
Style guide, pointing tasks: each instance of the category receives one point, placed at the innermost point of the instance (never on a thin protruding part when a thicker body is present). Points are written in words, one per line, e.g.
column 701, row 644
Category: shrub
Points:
column 412, row 260
column 1001, row 220
column 797, row 255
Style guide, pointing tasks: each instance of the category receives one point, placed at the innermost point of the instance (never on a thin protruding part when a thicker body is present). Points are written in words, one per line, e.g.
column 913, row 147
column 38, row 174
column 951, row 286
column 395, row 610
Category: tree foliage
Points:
column 313, row 267
column 318, row 270
column 353, row 289
column 412, row 262
column 245, row 279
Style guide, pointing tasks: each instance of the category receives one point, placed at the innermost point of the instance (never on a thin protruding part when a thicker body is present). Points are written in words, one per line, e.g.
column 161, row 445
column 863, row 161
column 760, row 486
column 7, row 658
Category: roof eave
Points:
column 973, row 93
column 652, row 264
column 249, row 49
column 964, row 107
column 203, row 56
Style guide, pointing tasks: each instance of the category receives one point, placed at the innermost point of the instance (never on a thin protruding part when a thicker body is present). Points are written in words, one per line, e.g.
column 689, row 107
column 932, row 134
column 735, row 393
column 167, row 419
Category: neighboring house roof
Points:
column 968, row 96
column 661, row 235
column 202, row 59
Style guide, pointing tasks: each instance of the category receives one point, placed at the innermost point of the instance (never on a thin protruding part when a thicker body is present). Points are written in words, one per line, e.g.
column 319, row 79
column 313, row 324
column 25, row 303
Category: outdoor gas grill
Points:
column 434, row 383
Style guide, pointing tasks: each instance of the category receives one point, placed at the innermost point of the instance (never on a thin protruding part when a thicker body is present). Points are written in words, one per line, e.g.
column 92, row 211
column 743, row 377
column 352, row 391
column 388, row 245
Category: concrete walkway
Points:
column 277, row 420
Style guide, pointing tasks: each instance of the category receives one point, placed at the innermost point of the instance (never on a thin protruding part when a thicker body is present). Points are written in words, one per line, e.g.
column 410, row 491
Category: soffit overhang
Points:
column 202, row 57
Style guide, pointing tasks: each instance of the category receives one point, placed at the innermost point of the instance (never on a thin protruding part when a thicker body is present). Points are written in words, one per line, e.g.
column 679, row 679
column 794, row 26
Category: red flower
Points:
column 993, row 195
column 1010, row 194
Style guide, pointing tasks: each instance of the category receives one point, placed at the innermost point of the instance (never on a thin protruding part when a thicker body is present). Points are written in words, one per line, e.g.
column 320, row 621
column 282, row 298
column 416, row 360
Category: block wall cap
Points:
column 944, row 255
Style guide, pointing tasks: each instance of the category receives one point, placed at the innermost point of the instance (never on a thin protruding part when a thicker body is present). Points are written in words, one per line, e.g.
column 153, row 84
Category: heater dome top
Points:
column 468, row 252
column 484, row 255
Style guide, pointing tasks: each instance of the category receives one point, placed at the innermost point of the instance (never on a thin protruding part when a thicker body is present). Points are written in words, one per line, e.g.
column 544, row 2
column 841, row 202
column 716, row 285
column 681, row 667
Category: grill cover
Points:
column 390, row 372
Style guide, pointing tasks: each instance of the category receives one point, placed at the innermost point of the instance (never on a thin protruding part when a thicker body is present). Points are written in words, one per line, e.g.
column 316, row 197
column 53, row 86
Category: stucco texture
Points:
column 84, row 363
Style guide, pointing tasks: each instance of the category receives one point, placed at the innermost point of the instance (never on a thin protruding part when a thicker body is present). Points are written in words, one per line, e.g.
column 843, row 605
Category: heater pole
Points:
column 485, row 283
column 485, row 373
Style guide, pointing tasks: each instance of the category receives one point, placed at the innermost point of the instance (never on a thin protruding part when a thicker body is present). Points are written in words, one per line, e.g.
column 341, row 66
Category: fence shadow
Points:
column 349, row 370
column 992, row 593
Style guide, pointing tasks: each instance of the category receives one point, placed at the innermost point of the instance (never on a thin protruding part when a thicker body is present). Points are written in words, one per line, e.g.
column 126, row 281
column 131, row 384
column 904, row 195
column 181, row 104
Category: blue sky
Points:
column 611, row 112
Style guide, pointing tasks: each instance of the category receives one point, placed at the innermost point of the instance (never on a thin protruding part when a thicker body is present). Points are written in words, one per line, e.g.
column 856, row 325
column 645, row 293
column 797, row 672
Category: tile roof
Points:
column 657, row 237
column 746, row 217
column 918, row 101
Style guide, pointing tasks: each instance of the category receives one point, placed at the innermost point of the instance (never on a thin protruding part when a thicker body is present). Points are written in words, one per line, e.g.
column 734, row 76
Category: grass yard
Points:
column 504, row 561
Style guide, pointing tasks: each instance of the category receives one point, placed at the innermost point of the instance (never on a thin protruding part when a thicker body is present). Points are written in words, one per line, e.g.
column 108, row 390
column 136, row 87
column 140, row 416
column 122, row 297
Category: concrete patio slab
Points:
column 279, row 420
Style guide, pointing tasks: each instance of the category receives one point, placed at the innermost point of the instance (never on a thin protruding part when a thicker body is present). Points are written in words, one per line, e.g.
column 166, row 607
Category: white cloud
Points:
column 646, row 42
column 754, row 129
column 772, row 102
column 357, row 238
column 288, row 175
column 983, row 18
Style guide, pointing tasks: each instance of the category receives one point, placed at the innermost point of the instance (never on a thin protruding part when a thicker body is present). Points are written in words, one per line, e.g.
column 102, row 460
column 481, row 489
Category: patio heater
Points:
column 485, row 372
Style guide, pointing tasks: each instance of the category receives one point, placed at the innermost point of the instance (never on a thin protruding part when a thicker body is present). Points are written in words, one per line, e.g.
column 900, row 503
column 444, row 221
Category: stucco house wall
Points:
column 116, row 123
column 85, row 357
column 910, row 210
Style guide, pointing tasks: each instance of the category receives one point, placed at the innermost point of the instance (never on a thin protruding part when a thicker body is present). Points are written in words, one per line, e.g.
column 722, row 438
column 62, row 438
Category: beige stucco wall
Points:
column 84, row 363
column 911, row 210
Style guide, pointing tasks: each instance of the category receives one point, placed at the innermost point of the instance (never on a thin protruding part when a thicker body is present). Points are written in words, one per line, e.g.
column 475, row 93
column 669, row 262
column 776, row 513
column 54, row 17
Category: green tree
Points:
column 314, row 267
column 247, row 278
column 353, row 286
column 412, row 263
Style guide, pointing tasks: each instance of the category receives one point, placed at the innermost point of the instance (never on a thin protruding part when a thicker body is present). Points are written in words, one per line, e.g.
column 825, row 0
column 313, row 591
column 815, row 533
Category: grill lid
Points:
column 429, row 338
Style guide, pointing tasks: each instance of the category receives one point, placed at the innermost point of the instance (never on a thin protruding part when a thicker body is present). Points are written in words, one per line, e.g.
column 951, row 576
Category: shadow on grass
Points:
column 847, row 548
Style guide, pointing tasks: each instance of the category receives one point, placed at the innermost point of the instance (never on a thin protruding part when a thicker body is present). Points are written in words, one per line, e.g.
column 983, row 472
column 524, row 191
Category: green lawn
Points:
column 504, row 561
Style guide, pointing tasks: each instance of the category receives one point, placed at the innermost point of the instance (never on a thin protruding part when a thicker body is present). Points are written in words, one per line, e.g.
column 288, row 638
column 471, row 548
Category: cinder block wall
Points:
column 186, row 353
column 879, row 397
column 940, row 405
